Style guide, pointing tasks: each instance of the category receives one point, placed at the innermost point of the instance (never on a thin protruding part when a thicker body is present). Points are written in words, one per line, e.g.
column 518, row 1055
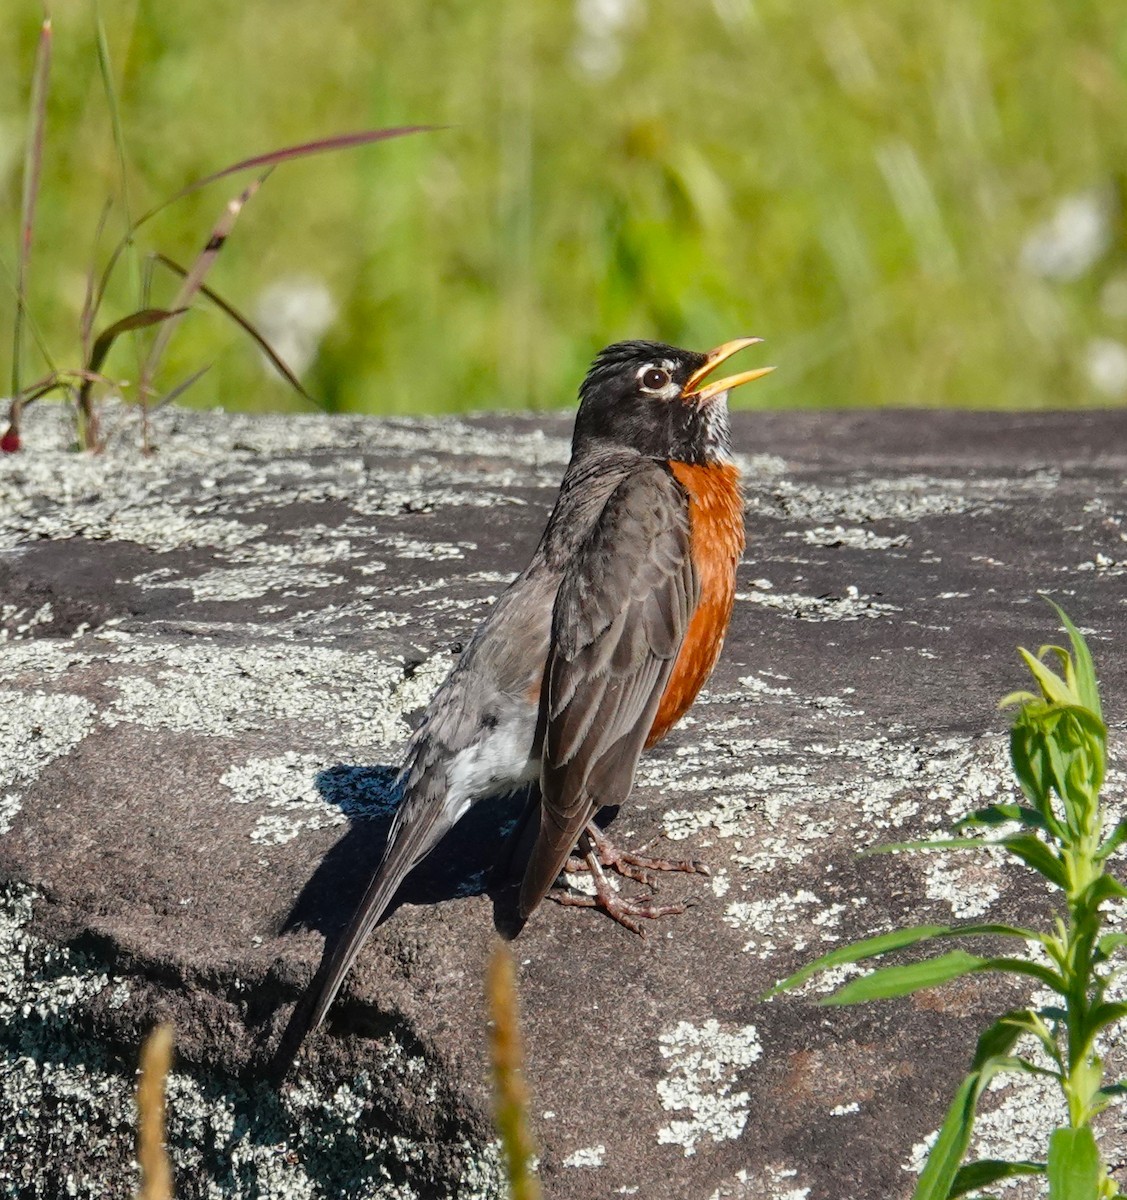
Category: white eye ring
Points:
column 653, row 378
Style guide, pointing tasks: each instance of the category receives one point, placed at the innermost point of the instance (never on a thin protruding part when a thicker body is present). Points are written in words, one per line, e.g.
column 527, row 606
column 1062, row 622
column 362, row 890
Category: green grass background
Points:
column 852, row 180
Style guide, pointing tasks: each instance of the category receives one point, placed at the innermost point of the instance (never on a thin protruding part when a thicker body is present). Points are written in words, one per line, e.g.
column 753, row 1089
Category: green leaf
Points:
column 1113, row 842
column 897, row 940
column 1086, row 684
column 1103, row 1015
column 1034, row 853
column 1024, row 966
column 887, row 982
column 987, row 1171
column 1074, row 1165
column 942, row 1164
column 1108, row 944
column 1103, row 887
column 857, row 951
column 1051, row 685
column 1003, row 814
column 951, row 1144
column 967, row 843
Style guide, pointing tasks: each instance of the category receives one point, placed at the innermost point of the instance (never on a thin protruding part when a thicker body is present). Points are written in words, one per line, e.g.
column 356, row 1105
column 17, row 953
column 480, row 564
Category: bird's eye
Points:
column 654, row 379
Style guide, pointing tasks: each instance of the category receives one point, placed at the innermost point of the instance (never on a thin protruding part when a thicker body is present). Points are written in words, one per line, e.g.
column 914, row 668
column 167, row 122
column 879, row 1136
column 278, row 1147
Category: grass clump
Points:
column 1058, row 747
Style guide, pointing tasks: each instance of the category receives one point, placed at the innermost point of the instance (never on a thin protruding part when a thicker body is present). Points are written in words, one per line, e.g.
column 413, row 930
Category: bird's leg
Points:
column 638, row 867
column 625, row 911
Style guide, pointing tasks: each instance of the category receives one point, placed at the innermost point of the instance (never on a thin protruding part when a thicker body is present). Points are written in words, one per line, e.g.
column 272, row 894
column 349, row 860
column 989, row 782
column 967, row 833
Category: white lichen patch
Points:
column 588, row 1156
column 248, row 583
column 762, row 919
column 49, row 993
column 403, row 547
column 705, row 1063
column 17, row 622
column 35, row 729
column 761, row 688
column 760, row 467
column 773, row 811
column 968, row 881
column 900, row 498
column 286, row 786
column 9, row 806
column 770, row 1183
column 852, row 605
column 853, row 537
column 36, row 659
column 760, row 691
column 223, row 690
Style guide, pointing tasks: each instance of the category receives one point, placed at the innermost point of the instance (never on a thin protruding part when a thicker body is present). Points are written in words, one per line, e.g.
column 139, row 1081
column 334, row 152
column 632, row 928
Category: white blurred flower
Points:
column 1073, row 239
column 598, row 46
column 1106, row 363
column 292, row 314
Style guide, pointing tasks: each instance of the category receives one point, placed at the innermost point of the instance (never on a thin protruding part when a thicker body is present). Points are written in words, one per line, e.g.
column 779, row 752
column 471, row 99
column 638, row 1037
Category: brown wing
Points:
column 620, row 617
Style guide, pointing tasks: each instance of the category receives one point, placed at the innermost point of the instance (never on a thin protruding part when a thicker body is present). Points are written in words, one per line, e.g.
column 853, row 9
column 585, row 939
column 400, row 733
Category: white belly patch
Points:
column 500, row 761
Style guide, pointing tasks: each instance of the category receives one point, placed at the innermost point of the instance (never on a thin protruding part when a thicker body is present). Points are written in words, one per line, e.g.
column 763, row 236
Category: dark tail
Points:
column 420, row 823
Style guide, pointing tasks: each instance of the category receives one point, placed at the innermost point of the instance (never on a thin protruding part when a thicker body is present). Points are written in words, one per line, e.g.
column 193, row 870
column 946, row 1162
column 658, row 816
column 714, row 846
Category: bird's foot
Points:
column 598, row 851
column 626, row 911
column 630, row 864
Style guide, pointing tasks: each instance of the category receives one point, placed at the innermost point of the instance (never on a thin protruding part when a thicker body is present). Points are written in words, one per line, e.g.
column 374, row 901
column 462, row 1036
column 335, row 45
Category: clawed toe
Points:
column 599, row 852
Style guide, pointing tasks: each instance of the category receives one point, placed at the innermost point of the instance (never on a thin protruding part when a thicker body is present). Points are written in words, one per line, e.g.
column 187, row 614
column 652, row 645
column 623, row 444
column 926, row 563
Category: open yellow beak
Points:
column 696, row 389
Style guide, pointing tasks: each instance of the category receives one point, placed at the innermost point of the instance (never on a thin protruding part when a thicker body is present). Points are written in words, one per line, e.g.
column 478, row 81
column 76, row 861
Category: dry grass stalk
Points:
column 511, row 1095
column 156, row 1170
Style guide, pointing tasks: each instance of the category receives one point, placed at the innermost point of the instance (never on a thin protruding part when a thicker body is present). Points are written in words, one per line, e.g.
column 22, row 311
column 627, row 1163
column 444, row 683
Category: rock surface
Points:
column 209, row 663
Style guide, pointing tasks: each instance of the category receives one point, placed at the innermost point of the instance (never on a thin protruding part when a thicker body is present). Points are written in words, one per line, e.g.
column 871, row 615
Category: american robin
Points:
column 596, row 649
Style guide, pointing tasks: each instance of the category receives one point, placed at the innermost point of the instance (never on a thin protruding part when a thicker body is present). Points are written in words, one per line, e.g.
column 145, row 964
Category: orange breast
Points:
column 716, row 524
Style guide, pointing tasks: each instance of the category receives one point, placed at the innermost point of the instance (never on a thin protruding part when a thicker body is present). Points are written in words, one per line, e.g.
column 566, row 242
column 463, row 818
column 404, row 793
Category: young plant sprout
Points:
column 1058, row 749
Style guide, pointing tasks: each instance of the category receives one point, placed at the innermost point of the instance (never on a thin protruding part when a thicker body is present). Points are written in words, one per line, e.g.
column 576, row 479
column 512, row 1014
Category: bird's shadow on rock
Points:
column 464, row 863
column 472, row 859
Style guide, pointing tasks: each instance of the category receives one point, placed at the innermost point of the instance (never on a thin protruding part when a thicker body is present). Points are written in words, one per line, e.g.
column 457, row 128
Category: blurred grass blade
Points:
column 192, row 282
column 511, row 1094
column 1074, row 1165
column 987, row 1171
column 105, row 67
column 88, row 435
column 156, row 1171
column 137, row 320
column 32, row 169
column 340, row 141
column 246, row 326
column 182, row 387
column 272, row 158
column 86, row 321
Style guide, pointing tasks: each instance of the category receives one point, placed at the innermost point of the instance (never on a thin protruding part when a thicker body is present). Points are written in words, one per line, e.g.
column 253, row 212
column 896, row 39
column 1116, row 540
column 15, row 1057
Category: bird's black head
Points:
column 655, row 399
